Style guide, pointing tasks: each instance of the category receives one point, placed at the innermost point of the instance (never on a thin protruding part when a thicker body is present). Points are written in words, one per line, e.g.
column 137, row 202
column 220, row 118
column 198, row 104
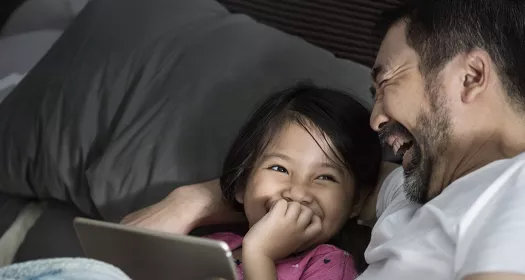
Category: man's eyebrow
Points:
column 373, row 92
column 375, row 72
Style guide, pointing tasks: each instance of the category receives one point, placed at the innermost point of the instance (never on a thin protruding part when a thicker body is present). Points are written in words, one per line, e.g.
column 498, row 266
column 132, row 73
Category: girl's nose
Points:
column 299, row 194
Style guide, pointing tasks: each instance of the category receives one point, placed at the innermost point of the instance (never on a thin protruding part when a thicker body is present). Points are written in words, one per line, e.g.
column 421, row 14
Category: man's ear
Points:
column 239, row 196
column 478, row 65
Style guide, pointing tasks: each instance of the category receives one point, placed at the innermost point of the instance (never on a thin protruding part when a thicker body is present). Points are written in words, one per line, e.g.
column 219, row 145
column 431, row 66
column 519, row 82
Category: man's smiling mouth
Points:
column 400, row 145
column 401, row 141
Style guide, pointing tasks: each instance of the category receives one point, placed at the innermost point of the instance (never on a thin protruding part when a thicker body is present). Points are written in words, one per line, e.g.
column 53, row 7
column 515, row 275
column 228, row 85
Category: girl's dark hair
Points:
column 344, row 121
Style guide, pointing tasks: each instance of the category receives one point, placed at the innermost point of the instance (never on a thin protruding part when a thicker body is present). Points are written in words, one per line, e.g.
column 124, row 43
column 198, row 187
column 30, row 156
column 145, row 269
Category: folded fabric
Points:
column 8, row 83
column 62, row 269
column 15, row 234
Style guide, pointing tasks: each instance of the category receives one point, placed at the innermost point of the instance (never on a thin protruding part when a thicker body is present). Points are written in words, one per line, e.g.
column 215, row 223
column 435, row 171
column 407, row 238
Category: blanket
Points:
column 63, row 269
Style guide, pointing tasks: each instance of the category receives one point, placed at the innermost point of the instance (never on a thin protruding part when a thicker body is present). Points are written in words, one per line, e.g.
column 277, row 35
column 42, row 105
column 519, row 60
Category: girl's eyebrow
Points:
column 333, row 166
column 282, row 156
column 275, row 155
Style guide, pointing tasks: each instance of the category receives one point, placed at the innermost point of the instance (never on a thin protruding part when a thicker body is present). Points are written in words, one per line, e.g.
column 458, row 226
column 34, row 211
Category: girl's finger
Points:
column 293, row 211
column 314, row 227
column 305, row 217
column 279, row 207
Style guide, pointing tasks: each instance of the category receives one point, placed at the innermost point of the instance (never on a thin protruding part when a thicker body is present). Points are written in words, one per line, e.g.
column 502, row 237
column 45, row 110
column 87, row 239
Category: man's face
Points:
column 411, row 113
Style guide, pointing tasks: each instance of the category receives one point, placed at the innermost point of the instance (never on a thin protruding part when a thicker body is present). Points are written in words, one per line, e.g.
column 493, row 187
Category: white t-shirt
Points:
column 477, row 224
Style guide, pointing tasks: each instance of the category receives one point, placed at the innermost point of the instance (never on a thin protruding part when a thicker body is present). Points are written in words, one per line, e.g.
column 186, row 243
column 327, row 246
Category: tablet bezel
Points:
column 146, row 254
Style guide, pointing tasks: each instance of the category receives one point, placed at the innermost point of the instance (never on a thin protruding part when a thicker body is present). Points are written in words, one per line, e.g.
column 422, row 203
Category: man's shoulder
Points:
column 462, row 226
column 490, row 232
column 462, row 197
column 499, row 168
column 497, row 176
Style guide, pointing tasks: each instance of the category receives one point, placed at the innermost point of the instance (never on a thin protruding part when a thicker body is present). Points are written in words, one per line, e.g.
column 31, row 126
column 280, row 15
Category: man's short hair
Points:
column 438, row 30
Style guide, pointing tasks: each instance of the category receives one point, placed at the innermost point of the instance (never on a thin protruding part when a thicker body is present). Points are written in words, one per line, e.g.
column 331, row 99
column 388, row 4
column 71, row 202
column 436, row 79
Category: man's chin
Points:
column 411, row 169
column 413, row 185
column 412, row 160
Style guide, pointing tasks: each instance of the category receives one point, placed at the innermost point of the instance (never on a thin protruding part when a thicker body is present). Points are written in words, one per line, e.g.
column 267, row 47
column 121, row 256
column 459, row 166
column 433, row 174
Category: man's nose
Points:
column 298, row 193
column 378, row 118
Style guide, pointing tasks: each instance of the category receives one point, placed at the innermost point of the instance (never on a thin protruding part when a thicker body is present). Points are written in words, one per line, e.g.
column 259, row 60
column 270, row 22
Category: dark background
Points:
column 6, row 8
column 343, row 27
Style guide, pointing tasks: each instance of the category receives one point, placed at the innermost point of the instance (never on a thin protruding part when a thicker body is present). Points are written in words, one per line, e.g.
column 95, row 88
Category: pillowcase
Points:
column 140, row 97
column 8, row 83
column 19, row 53
column 34, row 15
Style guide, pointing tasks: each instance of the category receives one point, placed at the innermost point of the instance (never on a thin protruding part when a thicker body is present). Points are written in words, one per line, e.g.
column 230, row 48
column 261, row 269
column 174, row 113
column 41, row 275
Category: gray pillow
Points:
column 8, row 83
column 19, row 53
column 132, row 103
column 34, row 15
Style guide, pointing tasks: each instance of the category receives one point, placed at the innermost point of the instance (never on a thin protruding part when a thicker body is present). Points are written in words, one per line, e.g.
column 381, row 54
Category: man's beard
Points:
column 433, row 131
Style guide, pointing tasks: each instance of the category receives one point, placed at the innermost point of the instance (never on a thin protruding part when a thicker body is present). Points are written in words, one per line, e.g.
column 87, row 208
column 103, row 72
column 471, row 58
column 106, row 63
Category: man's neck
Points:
column 507, row 140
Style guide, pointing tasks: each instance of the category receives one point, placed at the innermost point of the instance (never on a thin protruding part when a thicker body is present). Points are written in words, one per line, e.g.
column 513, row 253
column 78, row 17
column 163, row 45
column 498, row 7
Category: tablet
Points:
column 145, row 255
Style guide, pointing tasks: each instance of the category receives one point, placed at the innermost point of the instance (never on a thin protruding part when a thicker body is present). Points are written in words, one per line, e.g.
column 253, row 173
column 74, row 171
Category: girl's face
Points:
column 295, row 167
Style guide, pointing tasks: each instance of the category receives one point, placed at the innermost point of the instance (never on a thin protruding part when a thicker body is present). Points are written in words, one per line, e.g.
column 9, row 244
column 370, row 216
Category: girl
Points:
column 299, row 169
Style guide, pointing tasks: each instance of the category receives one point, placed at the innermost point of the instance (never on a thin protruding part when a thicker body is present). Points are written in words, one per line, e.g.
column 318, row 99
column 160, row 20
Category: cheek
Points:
column 402, row 100
column 263, row 184
column 336, row 207
column 450, row 83
column 259, row 189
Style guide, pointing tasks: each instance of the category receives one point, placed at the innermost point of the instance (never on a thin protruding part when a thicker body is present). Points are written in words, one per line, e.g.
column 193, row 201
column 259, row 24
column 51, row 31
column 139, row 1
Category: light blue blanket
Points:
column 62, row 269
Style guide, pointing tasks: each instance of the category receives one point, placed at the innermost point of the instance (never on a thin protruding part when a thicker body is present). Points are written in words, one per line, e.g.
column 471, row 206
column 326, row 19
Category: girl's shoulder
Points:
column 325, row 260
column 330, row 262
column 326, row 254
column 233, row 240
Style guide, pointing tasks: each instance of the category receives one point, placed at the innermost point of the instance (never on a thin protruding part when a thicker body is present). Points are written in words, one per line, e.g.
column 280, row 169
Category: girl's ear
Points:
column 239, row 196
column 359, row 201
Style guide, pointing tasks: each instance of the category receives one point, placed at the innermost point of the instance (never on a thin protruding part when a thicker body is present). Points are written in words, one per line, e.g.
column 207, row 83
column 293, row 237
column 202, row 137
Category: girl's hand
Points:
column 287, row 227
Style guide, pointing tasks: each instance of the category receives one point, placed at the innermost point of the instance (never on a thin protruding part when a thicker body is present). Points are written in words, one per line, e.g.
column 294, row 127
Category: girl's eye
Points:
column 327, row 177
column 279, row 168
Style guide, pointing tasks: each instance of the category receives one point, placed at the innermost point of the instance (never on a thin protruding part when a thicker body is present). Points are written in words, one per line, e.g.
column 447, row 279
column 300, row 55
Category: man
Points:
column 449, row 84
